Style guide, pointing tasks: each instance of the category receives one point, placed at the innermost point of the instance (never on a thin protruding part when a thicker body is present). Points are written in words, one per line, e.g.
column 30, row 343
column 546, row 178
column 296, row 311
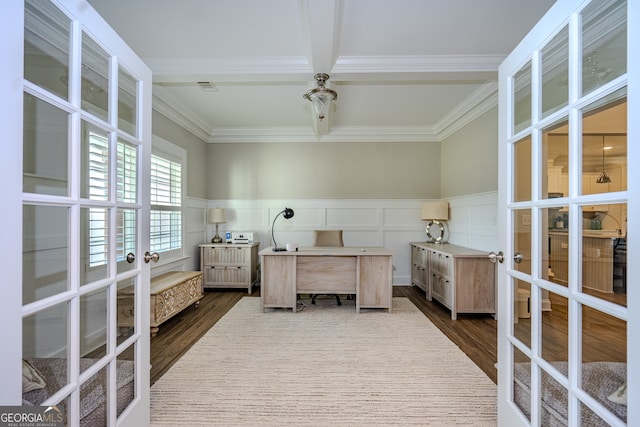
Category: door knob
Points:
column 131, row 258
column 517, row 258
column 151, row 257
column 496, row 257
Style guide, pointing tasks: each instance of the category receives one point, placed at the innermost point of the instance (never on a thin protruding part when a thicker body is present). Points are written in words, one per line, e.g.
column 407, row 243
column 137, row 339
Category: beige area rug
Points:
column 324, row 366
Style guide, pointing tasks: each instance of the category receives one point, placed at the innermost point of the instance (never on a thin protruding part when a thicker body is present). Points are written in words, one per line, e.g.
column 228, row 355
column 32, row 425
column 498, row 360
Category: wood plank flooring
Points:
column 604, row 337
column 474, row 334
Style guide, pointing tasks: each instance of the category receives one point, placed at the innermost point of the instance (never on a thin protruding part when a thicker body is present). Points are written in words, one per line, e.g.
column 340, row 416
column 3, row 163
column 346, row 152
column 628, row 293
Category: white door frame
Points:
column 555, row 18
column 11, row 73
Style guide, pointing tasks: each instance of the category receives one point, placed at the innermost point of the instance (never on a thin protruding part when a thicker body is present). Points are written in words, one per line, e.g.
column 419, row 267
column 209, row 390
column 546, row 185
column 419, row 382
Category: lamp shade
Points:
column 321, row 102
column 216, row 216
column 435, row 210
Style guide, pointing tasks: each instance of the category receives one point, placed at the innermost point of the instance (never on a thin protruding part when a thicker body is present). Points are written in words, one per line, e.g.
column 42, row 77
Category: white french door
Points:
column 77, row 301
column 569, row 101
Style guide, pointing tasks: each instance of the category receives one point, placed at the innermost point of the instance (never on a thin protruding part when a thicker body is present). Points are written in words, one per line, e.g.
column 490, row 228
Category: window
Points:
column 167, row 199
column 166, row 204
column 167, row 194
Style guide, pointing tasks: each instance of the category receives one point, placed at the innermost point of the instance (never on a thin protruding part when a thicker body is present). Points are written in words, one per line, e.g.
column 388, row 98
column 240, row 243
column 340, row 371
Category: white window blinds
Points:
column 166, row 204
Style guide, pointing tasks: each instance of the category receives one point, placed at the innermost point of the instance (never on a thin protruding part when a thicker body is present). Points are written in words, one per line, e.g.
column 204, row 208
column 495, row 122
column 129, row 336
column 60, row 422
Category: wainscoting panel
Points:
column 245, row 218
column 398, row 243
column 341, row 218
column 389, row 223
column 474, row 221
column 401, row 218
column 361, row 238
column 305, row 218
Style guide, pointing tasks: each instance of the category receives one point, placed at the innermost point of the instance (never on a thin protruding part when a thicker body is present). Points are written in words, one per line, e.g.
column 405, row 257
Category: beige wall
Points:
column 196, row 152
column 323, row 171
column 470, row 158
column 341, row 170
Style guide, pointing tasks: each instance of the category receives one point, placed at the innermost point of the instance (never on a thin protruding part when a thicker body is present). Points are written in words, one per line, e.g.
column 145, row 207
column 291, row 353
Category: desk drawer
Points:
column 441, row 263
column 326, row 274
column 221, row 275
column 441, row 287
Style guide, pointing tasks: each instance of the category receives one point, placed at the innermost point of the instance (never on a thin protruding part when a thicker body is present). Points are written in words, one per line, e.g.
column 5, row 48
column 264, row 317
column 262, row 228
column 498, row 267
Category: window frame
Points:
column 169, row 151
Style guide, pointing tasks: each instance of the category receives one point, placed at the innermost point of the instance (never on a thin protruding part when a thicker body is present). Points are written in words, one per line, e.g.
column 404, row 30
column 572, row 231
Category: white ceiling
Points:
column 404, row 70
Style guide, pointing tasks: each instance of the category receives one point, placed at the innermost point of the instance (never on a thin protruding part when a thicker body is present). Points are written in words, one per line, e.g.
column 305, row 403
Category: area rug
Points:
column 324, row 366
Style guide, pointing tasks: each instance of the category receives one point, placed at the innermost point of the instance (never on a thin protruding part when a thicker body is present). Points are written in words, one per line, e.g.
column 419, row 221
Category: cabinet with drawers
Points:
column 460, row 278
column 229, row 265
column 419, row 267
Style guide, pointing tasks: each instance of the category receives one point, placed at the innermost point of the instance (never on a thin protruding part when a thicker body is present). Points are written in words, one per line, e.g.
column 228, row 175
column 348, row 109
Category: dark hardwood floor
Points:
column 476, row 335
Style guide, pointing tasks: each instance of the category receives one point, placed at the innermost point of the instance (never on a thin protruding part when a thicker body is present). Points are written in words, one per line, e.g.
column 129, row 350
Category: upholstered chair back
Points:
column 327, row 238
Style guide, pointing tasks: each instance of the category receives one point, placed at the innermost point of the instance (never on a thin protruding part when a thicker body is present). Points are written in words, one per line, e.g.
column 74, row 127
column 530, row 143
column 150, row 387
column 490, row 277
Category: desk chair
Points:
column 327, row 238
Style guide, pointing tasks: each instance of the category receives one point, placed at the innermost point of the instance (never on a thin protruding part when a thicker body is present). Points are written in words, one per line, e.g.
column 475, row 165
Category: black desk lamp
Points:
column 286, row 213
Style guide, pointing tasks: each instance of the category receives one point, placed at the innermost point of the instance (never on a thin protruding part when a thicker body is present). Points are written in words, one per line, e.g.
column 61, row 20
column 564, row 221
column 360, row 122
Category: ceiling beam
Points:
column 298, row 69
column 319, row 23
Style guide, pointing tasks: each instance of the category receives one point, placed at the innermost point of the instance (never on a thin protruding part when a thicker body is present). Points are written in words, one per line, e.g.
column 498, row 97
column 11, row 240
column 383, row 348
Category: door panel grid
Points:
column 564, row 106
column 87, row 210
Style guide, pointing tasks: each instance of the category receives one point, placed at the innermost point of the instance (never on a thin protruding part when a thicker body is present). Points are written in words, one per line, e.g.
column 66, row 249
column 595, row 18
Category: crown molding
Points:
column 416, row 64
column 479, row 102
column 247, row 69
column 166, row 105
column 305, row 134
column 298, row 68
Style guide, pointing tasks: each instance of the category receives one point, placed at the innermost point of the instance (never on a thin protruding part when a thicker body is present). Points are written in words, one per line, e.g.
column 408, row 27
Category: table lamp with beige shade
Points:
column 437, row 213
column 216, row 216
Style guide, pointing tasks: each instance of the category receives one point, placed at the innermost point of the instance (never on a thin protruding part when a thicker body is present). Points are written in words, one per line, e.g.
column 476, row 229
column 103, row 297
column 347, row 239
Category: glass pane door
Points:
column 564, row 319
column 86, row 147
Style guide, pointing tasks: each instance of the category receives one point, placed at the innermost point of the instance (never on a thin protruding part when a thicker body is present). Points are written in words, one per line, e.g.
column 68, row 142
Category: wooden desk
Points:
column 365, row 272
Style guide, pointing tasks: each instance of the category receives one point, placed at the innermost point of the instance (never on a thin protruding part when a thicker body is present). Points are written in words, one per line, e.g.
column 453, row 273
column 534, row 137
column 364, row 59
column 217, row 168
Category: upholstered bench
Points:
column 171, row 293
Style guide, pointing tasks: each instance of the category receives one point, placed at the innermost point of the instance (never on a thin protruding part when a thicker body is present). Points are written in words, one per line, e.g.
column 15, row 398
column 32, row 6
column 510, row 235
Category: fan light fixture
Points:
column 321, row 96
column 604, row 177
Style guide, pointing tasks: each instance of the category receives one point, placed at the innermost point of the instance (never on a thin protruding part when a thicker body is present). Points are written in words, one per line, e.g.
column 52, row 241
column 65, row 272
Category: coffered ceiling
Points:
column 404, row 70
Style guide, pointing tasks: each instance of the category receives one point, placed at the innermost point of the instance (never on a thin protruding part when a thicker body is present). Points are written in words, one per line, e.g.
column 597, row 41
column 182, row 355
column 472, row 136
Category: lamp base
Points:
column 216, row 238
column 437, row 231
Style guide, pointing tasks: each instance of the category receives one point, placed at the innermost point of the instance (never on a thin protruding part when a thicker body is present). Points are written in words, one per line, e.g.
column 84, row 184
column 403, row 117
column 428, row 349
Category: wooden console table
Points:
column 365, row 272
